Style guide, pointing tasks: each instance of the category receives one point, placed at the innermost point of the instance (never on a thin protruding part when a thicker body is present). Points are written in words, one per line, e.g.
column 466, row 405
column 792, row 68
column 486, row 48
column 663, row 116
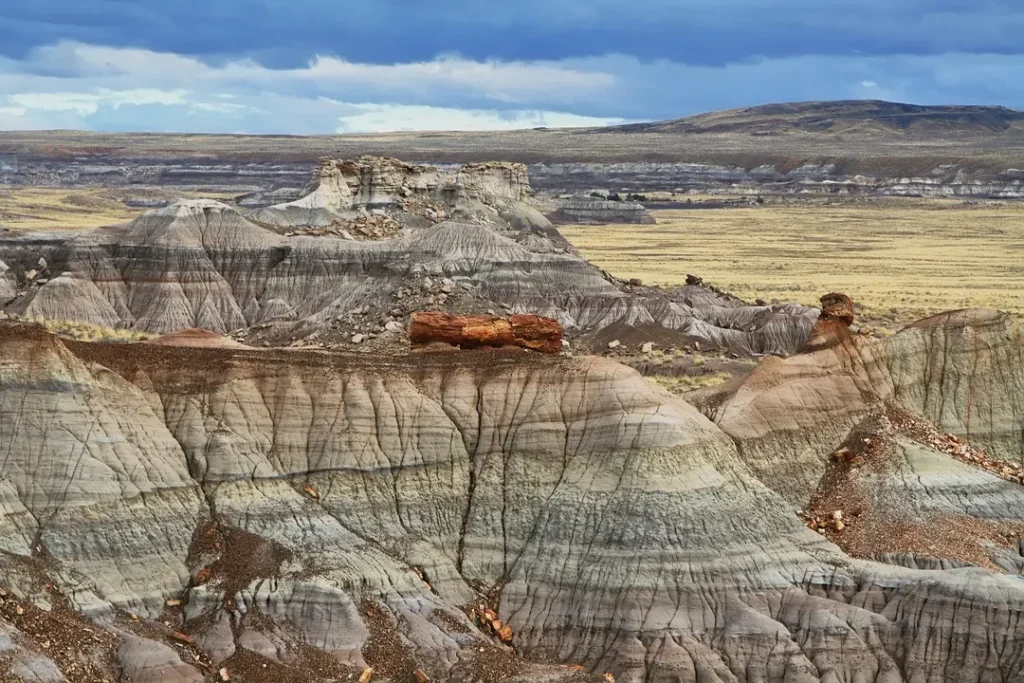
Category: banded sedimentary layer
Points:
column 200, row 263
column 318, row 512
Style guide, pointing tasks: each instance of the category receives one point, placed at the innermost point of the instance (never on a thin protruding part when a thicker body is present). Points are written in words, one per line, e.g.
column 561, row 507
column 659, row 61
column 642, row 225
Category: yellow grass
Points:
column 900, row 260
column 70, row 209
column 82, row 331
column 687, row 383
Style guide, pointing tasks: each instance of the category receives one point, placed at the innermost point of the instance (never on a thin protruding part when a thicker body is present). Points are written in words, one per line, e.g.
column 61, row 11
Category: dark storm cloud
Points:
column 712, row 32
column 308, row 66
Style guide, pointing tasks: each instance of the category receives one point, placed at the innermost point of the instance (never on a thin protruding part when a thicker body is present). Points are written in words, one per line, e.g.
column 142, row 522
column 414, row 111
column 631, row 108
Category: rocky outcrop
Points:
column 199, row 263
column 590, row 211
column 342, row 190
column 833, row 323
column 316, row 512
column 526, row 331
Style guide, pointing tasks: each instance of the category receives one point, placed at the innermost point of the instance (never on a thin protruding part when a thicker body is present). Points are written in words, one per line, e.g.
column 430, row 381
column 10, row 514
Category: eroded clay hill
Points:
column 404, row 238
column 303, row 515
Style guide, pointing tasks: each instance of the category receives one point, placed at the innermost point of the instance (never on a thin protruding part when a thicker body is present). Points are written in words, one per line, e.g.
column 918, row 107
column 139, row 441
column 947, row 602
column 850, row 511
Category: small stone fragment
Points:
column 173, row 602
column 648, row 347
column 614, row 344
column 313, row 493
column 358, row 338
column 367, row 675
column 420, row 676
column 224, row 675
column 505, row 633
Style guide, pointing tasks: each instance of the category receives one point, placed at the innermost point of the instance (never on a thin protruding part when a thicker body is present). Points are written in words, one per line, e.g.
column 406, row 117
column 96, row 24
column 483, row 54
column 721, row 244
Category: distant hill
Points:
column 875, row 138
column 860, row 116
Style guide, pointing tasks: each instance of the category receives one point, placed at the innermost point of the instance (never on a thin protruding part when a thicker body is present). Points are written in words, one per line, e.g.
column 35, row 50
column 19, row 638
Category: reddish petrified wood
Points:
column 473, row 331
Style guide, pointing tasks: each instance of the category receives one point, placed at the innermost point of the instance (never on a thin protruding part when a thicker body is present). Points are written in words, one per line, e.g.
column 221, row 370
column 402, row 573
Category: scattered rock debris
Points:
column 852, row 517
column 926, row 433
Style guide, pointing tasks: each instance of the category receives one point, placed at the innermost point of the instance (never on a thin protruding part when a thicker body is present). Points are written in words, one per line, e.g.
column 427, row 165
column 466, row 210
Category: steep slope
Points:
column 304, row 502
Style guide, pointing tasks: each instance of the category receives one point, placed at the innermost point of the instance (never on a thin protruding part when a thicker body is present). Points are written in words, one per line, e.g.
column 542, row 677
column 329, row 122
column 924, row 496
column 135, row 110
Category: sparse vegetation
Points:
column 681, row 385
column 71, row 209
column 83, row 331
column 900, row 259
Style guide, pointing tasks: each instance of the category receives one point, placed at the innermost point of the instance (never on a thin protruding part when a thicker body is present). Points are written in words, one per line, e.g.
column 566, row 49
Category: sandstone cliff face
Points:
column 199, row 263
column 301, row 501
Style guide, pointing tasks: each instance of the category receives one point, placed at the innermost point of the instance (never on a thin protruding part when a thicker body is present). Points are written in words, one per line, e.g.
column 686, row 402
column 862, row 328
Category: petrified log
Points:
column 473, row 331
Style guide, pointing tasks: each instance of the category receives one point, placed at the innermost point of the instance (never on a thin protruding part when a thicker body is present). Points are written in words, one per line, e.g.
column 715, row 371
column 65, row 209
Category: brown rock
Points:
column 527, row 331
column 505, row 633
column 420, row 676
column 836, row 305
column 832, row 327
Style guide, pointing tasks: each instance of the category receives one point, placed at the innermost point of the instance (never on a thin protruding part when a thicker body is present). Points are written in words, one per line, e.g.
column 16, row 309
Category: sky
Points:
column 339, row 66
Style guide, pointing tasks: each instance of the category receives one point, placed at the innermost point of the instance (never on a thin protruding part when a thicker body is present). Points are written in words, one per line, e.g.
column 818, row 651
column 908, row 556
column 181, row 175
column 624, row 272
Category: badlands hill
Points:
column 197, row 508
column 465, row 241
column 173, row 511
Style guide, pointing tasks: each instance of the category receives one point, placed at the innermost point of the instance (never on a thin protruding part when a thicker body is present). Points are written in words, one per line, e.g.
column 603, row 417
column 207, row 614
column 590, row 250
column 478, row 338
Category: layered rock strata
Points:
column 590, row 211
column 327, row 512
column 199, row 263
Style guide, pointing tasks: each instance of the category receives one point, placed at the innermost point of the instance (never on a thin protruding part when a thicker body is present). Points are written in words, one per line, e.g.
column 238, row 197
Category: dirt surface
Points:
column 241, row 557
column 843, row 511
column 81, row 650
column 385, row 651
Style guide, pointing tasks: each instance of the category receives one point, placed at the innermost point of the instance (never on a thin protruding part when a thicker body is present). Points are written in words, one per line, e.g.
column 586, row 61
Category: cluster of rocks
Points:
column 487, row 620
column 927, row 434
column 365, row 227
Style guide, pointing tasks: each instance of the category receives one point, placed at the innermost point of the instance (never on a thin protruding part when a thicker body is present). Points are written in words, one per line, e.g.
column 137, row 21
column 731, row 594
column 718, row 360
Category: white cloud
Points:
column 76, row 85
column 378, row 118
column 84, row 103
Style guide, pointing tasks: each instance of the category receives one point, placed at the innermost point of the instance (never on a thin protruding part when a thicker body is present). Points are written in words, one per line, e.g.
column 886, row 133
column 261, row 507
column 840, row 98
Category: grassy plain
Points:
column 70, row 209
column 900, row 259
